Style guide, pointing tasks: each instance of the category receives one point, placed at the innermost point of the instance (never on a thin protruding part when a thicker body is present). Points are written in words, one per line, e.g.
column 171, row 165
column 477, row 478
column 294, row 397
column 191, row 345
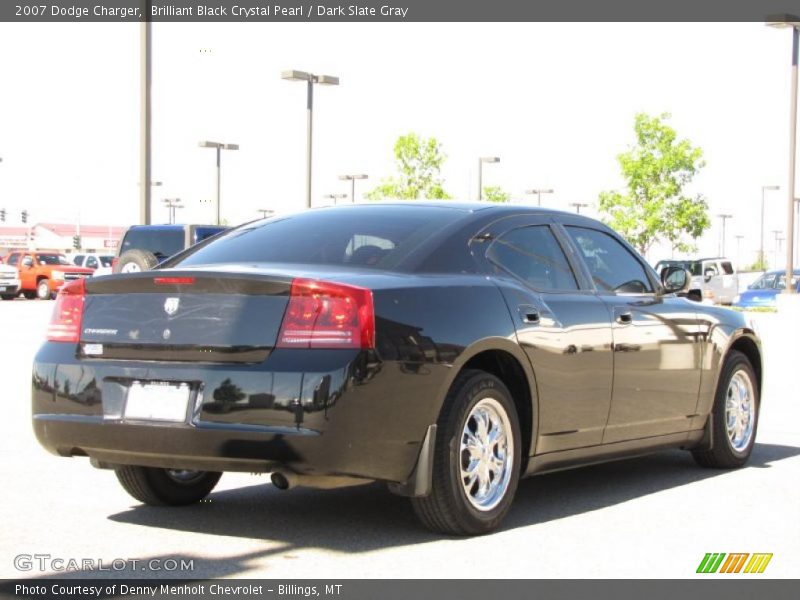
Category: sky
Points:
column 556, row 103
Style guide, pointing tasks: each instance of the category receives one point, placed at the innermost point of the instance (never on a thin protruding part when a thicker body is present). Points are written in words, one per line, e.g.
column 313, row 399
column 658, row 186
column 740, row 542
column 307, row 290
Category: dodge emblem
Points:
column 171, row 305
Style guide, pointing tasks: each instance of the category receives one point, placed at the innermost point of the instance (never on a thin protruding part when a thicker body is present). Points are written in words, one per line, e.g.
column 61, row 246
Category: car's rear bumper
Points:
column 315, row 412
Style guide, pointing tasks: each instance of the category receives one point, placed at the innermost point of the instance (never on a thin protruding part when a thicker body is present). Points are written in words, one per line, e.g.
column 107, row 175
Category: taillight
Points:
column 322, row 314
column 65, row 324
column 114, row 262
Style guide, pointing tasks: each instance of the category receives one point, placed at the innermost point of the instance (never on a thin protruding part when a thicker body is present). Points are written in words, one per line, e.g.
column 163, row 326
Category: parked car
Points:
column 42, row 274
column 99, row 263
column 9, row 282
column 714, row 280
column 446, row 349
column 762, row 292
column 143, row 247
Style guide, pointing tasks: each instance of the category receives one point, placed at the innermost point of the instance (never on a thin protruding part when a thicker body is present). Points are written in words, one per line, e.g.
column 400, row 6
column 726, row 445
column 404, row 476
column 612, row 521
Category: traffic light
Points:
column 76, row 242
column 2, row 215
column 24, row 216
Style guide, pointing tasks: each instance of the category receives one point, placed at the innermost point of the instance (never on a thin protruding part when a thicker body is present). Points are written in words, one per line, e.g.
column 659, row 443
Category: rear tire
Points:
column 476, row 461
column 734, row 418
column 166, row 487
column 29, row 295
column 133, row 261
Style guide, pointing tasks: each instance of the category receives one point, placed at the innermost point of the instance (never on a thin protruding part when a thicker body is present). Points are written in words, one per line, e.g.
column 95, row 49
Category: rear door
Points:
column 657, row 342
column 562, row 326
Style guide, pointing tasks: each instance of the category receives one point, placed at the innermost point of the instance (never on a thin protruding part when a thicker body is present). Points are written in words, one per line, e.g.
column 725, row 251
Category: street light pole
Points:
column 538, row 195
column 310, row 80
column 739, row 239
column 792, row 21
column 219, row 148
column 776, row 232
column 722, row 245
column 578, row 206
column 334, row 197
column 484, row 159
column 145, row 138
column 264, row 212
column 764, row 188
column 352, row 180
column 172, row 204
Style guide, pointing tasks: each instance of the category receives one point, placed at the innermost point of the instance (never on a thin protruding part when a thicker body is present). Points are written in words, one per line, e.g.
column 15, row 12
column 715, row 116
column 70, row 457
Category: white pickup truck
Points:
column 9, row 282
column 714, row 280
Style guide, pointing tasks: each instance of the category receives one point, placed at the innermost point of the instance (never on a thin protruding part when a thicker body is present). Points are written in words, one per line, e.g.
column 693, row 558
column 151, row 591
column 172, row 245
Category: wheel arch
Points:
column 505, row 360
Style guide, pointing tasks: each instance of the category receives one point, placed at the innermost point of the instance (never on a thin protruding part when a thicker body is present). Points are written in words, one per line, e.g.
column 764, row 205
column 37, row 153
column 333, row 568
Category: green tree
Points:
column 655, row 208
column 419, row 165
column 494, row 193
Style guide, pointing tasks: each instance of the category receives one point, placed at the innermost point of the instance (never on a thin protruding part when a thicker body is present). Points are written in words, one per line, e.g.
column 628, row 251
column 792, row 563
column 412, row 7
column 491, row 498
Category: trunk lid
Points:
column 183, row 315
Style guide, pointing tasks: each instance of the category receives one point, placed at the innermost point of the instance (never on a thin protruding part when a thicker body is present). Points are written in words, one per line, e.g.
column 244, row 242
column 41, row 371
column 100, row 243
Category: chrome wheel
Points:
column 740, row 411
column 184, row 475
column 487, row 454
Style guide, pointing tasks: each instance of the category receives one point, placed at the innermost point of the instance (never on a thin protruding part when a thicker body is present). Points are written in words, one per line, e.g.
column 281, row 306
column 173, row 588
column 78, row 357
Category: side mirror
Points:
column 708, row 274
column 675, row 280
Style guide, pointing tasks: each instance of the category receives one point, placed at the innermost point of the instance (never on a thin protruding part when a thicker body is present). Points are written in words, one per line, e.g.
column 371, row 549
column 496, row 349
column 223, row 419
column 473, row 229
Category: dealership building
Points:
column 102, row 239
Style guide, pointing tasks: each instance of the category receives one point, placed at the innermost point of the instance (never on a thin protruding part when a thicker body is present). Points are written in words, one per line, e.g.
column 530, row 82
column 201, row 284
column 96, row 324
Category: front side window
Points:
column 13, row 259
column 91, row 262
column 533, row 255
column 78, row 260
column 612, row 266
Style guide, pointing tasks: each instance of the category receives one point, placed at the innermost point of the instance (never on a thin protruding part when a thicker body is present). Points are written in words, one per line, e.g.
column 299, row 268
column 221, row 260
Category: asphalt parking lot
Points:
column 654, row 516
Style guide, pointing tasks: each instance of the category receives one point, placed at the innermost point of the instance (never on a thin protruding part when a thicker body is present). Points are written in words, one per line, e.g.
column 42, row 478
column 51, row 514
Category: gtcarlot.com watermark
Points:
column 48, row 562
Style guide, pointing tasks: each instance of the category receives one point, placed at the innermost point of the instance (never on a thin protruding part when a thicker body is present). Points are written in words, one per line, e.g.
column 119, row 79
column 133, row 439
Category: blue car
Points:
column 762, row 292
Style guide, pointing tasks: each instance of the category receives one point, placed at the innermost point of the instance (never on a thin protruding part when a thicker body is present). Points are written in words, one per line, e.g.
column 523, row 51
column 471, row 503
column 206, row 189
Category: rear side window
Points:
column 534, row 255
column 612, row 266
column 727, row 268
column 78, row 260
column 378, row 237
column 161, row 242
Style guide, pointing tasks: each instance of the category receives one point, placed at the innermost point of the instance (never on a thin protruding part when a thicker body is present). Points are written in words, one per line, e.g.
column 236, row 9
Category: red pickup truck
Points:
column 43, row 273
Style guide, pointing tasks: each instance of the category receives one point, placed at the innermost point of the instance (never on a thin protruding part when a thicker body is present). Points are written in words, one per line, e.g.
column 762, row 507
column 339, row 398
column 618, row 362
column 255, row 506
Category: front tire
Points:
column 734, row 418
column 43, row 290
column 8, row 296
column 477, row 458
column 166, row 487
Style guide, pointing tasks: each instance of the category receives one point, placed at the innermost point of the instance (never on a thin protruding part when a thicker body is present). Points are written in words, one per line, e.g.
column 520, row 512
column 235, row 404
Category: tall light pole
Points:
column 481, row 160
column 219, row 148
column 538, row 195
column 578, row 206
column 776, row 233
column 722, row 244
column 145, row 138
column 764, row 188
column 310, row 80
column 352, row 180
column 739, row 239
column 172, row 204
column 792, row 21
column 334, row 197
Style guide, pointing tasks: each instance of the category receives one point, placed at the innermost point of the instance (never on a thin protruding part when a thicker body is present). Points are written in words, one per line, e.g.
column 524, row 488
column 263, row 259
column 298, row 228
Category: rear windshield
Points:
column 376, row 237
column 161, row 242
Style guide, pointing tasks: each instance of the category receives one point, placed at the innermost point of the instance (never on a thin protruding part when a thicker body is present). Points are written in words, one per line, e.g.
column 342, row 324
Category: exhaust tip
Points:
column 280, row 481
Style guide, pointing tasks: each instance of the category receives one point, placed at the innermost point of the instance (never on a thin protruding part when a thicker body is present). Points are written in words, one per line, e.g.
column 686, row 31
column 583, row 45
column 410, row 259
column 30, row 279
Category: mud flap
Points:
column 421, row 480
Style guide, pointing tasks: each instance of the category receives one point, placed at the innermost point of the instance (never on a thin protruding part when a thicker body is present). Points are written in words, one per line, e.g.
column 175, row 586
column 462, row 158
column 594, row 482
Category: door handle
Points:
column 529, row 314
column 624, row 318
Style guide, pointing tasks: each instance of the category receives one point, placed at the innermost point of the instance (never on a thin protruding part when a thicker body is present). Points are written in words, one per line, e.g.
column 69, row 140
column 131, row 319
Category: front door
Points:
column 657, row 342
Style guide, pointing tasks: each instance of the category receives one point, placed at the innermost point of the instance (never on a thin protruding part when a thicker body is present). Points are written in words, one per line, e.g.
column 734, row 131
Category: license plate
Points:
column 157, row 401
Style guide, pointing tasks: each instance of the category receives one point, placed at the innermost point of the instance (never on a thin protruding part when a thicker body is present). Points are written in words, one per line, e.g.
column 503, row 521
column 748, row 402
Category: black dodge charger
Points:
column 445, row 349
